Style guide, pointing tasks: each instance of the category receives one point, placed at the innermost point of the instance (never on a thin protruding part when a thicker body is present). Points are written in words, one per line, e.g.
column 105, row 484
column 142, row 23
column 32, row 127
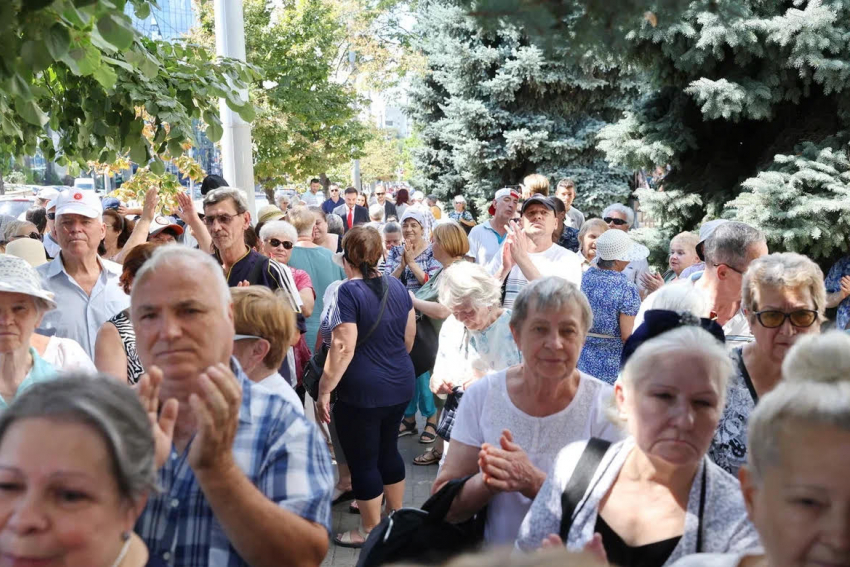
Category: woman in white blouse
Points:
column 654, row 497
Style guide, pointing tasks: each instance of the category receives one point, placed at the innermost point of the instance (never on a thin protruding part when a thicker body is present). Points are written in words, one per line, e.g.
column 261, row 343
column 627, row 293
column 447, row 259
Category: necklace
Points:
column 123, row 553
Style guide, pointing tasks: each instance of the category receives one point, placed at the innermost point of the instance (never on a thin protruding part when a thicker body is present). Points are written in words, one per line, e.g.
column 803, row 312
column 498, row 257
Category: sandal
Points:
column 427, row 437
column 430, row 457
column 354, row 538
column 407, row 428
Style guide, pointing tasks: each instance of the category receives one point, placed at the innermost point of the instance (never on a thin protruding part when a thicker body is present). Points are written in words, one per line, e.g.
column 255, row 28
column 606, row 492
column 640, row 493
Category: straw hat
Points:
column 617, row 245
column 28, row 249
column 269, row 213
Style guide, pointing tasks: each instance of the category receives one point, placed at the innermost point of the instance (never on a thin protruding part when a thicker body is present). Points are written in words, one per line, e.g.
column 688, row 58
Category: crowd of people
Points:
column 200, row 387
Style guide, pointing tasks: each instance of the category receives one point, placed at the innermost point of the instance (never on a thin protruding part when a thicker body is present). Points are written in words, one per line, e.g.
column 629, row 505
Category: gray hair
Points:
column 106, row 405
column 10, row 228
column 550, row 294
column 815, row 389
column 335, row 225
column 460, row 199
column 216, row 196
column 681, row 297
column 730, row 244
column 783, row 271
column 464, row 282
column 278, row 227
column 630, row 214
column 376, row 212
column 192, row 258
column 392, row 227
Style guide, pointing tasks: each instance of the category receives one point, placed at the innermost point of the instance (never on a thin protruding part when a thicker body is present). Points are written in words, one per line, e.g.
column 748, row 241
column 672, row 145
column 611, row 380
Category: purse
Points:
column 424, row 351
column 315, row 367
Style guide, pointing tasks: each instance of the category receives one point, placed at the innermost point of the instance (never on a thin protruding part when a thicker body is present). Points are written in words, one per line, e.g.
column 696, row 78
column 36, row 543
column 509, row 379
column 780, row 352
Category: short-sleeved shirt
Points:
column 380, row 373
column 318, row 262
column 425, row 261
column 484, row 243
column 833, row 283
column 486, row 410
column 464, row 215
column 273, row 275
column 66, row 355
column 278, row 450
column 729, row 446
column 79, row 315
column 311, row 198
column 609, row 295
column 574, row 218
column 329, row 205
column 554, row 261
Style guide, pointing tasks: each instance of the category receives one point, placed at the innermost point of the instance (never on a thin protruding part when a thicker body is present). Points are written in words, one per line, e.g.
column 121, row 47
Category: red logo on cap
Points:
column 78, row 196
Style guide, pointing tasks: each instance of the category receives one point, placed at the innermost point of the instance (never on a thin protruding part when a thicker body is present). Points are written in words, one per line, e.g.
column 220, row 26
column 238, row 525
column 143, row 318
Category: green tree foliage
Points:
column 78, row 68
column 494, row 108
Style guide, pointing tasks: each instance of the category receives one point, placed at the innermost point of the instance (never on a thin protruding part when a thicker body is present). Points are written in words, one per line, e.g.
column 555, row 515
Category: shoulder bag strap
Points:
column 580, row 481
column 380, row 314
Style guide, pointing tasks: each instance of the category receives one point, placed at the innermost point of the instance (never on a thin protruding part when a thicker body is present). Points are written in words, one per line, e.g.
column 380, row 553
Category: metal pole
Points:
column 355, row 167
column 237, row 161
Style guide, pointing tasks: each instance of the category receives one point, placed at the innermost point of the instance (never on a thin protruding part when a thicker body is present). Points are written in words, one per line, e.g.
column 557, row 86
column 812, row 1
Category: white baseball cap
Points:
column 79, row 202
column 160, row 223
column 48, row 193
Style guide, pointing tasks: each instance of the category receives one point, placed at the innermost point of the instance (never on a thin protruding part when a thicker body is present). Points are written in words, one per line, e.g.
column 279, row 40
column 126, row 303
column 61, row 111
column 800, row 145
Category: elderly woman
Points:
column 654, row 497
column 278, row 241
column 621, row 217
column 321, row 236
column 74, row 501
column 16, row 229
column 590, row 231
column 511, row 424
column 115, row 348
column 615, row 302
column 23, row 303
column 795, row 482
column 683, row 255
column 783, row 297
column 376, row 216
column 475, row 340
column 461, row 215
column 371, row 330
column 449, row 245
column 413, row 262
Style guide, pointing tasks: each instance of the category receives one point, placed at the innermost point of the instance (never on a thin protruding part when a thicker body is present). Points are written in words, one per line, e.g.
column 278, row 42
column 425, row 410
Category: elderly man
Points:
column 566, row 192
column 85, row 286
column 247, row 480
column 486, row 239
column 333, row 201
column 728, row 253
column 528, row 253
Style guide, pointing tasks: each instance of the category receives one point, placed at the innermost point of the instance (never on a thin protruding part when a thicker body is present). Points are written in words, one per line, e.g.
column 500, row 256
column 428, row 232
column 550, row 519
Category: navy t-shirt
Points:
column 381, row 372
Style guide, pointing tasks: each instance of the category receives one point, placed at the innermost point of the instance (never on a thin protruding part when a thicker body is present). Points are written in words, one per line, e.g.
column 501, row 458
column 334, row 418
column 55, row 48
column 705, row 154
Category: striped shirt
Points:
column 279, row 451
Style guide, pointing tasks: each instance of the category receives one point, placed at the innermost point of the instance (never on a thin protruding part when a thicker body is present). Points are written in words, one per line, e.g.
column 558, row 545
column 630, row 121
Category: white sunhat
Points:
column 617, row 245
column 29, row 249
column 17, row 276
column 77, row 202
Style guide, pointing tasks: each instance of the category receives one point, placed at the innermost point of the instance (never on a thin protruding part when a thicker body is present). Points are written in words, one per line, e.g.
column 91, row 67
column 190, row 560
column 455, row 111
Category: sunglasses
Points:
column 274, row 243
column 618, row 222
column 223, row 218
column 380, row 194
column 33, row 235
column 801, row 318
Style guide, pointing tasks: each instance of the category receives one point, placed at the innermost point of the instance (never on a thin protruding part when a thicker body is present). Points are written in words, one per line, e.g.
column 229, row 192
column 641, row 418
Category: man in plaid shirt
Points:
column 246, row 479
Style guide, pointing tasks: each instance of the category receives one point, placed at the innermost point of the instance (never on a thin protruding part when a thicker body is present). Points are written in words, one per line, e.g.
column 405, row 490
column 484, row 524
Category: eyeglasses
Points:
column 51, row 216
column 334, row 190
column 736, row 270
column 380, row 194
column 223, row 218
column 33, row 235
column 618, row 222
column 771, row 319
column 274, row 243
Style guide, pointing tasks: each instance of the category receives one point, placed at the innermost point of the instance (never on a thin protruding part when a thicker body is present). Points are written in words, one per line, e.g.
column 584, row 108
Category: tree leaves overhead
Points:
column 79, row 67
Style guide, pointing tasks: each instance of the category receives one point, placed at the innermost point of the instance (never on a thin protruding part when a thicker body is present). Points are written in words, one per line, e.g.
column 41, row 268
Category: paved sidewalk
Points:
column 417, row 488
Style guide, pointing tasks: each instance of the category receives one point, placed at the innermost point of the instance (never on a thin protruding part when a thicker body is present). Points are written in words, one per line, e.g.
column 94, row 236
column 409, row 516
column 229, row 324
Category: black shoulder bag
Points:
column 316, row 365
column 580, row 481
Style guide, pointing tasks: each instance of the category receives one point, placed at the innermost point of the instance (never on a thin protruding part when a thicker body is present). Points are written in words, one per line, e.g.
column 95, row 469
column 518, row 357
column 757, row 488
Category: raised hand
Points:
column 216, row 411
column 845, row 286
column 651, row 282
column 151, row 202
column 186, row 210
column 162, row 423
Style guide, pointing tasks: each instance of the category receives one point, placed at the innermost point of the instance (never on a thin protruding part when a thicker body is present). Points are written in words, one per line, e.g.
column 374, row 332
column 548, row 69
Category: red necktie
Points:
column 350, row 218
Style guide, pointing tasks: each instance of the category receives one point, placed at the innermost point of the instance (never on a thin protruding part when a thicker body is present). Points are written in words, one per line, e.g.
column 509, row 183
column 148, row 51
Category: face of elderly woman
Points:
column 801, row 506
column 411, row 230
column 776, row 341
column 275, row 247
column 320, row 229
column 588, row 244
column 19, row 317
column 672, row 414
column 472, row 317
column 551, row 340
column 59, row 501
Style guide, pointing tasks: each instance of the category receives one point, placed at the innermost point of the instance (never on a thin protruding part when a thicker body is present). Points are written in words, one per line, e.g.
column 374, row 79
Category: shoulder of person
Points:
column 568, row 458
column 113, row 268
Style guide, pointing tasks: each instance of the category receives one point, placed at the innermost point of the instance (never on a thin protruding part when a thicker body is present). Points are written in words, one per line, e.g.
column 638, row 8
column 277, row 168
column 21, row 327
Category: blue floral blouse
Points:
column 465, row 215
column 833, row 283
column 425, row 260
column 609, row 294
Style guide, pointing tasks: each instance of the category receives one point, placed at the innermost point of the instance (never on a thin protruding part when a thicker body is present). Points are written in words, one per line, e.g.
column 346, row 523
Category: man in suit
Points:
column 351, row 213
column 389, row 208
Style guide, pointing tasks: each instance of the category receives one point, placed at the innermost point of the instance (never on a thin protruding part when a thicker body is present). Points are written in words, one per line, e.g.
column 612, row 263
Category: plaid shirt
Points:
column 281, row 453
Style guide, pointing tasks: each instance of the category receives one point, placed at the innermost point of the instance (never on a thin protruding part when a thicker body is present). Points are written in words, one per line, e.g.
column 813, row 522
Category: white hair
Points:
column 630, row 214
column 274, row 228
column 190, row 258
column 467, row 282
column 460, row 199
column 815, row 389
column 376, row 212
column 681, row 297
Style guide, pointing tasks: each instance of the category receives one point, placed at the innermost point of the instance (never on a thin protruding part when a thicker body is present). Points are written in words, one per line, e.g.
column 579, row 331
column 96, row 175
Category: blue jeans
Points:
column 422, row 397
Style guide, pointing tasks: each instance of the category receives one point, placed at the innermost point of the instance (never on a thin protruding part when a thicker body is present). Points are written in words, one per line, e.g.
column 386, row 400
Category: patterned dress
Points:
column 729, row 446
column 833, row 283
column 128, row 339
column 425, row 260
column 609, row 294
column 464, row 215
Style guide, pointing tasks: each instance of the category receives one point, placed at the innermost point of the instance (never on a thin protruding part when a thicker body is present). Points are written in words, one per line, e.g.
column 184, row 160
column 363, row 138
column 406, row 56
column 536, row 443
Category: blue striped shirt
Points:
column 279, row 451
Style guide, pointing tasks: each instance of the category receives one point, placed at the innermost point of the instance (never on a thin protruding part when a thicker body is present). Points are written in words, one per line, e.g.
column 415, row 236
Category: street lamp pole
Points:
column 236, row 158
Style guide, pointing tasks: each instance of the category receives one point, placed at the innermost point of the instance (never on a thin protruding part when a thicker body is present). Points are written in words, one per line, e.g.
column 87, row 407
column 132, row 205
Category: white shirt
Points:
column 276, row 383
column 79, row 316
column 486, row 410
column 484, row 243
column 554, row 261
column 66, row 355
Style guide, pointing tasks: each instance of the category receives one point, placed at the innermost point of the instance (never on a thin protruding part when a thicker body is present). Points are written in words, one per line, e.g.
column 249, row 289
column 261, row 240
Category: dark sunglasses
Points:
column 618, row 222
column 33, row 235
column 379, row 194
column 800, row 318
column 274, row 243
column 51, row 216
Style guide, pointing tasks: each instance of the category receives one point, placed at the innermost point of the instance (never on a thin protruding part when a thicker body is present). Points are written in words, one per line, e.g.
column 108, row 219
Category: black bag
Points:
column 580, row 481
column 447, row 417
column 424, row 351
column 423, row 536
column 316, row 365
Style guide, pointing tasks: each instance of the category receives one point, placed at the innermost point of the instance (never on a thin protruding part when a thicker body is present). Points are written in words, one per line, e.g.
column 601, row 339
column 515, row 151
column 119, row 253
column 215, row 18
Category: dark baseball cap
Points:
column 539, row 199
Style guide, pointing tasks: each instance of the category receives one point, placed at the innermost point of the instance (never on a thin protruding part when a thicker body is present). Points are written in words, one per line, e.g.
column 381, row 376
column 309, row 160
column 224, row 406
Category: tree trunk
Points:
column 2, row 183
column 323, row 177
column 269, row 195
